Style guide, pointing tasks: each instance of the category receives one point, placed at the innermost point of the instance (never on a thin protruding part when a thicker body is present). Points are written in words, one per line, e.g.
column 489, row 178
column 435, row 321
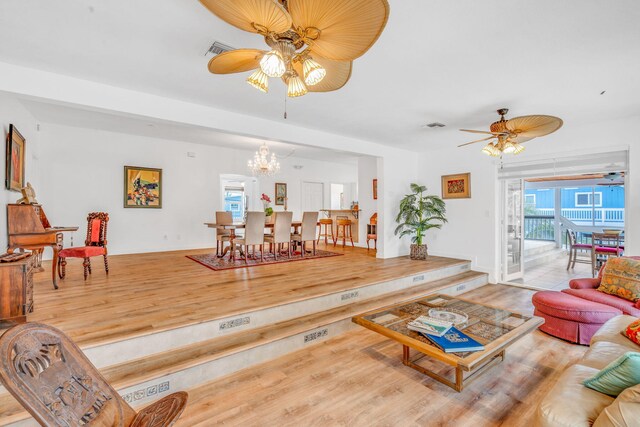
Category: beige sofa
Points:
column 569, row 403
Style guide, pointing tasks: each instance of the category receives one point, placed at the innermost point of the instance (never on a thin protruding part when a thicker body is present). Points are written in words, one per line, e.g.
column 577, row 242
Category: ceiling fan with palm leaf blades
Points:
column 312, row 43
column 510, row 134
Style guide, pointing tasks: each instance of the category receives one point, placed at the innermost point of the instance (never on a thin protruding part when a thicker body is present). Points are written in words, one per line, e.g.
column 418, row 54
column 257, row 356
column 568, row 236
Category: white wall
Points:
column 82, row 171
column 12, row 112
column 367, row 172
column 473, row 231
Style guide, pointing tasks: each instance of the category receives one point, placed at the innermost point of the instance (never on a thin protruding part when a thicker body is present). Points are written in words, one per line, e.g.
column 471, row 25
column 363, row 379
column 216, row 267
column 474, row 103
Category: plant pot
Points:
column 268, row 219
column 418, row 252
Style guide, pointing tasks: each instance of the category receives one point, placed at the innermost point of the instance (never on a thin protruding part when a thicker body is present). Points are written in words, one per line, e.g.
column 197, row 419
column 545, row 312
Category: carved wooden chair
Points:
column 51, row 377
column 94, row 245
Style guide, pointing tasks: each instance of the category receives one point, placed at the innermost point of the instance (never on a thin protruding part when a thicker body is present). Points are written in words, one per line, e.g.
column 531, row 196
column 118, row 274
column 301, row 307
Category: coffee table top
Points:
column 493, row 327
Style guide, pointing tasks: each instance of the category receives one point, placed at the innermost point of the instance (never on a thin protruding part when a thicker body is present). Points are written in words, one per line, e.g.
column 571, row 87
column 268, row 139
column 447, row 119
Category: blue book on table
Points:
column 455, row 341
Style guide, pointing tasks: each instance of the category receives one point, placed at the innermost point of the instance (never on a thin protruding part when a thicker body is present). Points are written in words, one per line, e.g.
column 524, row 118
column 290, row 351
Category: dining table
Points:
column 295, row 226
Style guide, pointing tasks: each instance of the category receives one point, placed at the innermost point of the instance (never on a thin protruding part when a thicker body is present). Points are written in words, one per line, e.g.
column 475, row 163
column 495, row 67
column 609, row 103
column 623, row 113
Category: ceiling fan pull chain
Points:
column 285, row 106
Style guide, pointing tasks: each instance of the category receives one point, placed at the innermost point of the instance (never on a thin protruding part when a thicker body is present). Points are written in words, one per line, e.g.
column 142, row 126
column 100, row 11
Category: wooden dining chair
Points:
column 53, row 380
column 603, row 247
column 308, row 232
column 281, row 233
column 253, row 235
column 574, row 247
column 95, row 244
column 222, row 235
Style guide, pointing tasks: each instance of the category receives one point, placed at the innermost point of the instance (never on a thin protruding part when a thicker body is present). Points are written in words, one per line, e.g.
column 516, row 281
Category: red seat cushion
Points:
column 627, row 307
column 608, row 250
column 581, row 246
column 82, row 252
column 564, row 306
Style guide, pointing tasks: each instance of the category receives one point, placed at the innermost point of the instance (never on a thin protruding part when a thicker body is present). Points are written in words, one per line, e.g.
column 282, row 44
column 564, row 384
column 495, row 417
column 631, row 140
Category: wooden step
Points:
column 158, row 366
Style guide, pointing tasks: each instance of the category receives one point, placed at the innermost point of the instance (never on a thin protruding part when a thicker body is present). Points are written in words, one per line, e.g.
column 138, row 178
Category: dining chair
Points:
column 58, row 385
column 604, row 246
column 281, row 233
column 95, row 244
column 222, row 235
column 574, row 247
column 253, row 235
column 308, row 232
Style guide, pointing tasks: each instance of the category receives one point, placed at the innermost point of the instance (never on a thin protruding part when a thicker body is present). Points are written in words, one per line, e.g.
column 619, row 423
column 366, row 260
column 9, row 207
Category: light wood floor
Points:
column 148, row 293
column 357, row 379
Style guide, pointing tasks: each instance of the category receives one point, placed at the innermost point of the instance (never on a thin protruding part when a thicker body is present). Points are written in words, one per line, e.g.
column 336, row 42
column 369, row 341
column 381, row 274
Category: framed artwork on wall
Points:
column 14, row 171
column 456, row 186
column 375, row 189
column 281, row 193
column 142, row 187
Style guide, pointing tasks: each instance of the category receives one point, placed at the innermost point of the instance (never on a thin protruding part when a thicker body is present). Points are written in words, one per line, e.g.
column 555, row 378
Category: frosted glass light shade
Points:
column 509, row 148
column 272, row 64
column 491, row 150
column 296, row 87
column 313, row 72
column 259, row 80
column 518, row 148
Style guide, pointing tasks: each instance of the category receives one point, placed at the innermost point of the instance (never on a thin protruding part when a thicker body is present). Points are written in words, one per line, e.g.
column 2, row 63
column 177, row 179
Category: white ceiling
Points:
column 143, row 126
column 449, row 61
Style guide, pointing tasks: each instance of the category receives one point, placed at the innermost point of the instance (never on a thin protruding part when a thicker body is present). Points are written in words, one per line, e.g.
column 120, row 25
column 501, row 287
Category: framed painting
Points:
column 142, row 187
column 375, row 189
column 281, row 193
column 456, row 186
column 14, row 171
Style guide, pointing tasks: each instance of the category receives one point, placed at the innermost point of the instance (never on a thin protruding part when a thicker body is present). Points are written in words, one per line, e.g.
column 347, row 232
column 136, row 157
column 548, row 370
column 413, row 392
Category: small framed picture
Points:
column 142, row 187
column 14, row 171
column 375, row 189
column 281, row 193
column 456, row 186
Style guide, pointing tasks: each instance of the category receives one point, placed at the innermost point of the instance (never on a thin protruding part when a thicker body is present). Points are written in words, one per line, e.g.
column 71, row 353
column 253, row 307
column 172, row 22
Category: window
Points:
column 588, row 199
column 530, row 199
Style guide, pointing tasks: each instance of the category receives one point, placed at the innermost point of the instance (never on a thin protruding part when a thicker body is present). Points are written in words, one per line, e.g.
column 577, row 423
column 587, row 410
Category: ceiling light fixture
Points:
column 262, row 164
column 259, row 80
column 312, row 43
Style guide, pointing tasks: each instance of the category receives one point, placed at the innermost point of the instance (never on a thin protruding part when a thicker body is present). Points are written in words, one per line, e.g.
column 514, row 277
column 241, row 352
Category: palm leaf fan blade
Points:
column 245, row 14
column 338, row 74
column 235, row 61
column 348, row 28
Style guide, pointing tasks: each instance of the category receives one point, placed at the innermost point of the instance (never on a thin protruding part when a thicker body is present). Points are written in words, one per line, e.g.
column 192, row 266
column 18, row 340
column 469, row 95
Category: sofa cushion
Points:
column 568, row 307
column 622, row 373
column 602, row 353
column 625, row 306
column 624, row 411
column 569, row 403
column 588, row 283
column 610, row 331
column 632, row 331
column 621, row 277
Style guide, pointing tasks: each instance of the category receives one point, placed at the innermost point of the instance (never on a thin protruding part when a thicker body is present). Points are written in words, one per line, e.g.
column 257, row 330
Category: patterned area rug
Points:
column 215, row 263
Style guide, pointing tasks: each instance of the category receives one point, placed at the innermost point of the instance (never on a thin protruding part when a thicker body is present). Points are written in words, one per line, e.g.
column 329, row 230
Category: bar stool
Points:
column 345, row 226
column 328, row 230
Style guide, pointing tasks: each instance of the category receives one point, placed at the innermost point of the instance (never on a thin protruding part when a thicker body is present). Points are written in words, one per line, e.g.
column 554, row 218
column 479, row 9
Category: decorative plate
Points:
column 448, row 315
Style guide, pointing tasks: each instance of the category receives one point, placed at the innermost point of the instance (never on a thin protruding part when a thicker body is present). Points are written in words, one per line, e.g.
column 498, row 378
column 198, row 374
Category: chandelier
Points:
column 262, row 164
column 311, row 43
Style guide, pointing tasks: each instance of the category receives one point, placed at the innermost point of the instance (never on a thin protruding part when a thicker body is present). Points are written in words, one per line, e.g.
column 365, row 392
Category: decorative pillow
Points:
column 633, row 331
column 622, row 373
column 621, row 277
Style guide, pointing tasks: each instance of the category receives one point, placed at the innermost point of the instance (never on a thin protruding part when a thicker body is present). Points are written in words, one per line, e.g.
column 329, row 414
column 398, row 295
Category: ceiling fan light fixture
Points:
column 272, row 64
column 490, row 150
column 518, row 148
column 295, row 86
column 313, row 72
column 259, row 80
column 509, row 148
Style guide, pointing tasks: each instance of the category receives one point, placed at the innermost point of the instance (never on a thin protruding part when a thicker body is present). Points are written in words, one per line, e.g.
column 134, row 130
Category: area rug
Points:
column 215, row 263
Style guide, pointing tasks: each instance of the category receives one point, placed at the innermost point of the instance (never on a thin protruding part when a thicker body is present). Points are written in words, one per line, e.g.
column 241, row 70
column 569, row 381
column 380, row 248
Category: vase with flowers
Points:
column 268, row 210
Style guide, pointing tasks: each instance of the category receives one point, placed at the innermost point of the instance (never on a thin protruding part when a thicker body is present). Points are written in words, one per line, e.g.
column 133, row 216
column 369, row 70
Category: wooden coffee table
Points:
column 493, row 327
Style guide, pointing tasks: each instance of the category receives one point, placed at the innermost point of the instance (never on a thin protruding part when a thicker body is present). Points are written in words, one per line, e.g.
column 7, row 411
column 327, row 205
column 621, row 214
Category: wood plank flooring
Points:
column 358, row 379
column 148, row 293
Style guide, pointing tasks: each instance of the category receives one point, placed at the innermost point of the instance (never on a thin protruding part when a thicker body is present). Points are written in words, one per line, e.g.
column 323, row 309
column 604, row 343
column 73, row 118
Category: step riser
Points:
column 148, row 391
column 122, row 351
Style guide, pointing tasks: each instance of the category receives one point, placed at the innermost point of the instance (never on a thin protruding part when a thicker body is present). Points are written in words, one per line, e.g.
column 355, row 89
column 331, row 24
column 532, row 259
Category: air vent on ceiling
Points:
column 217, row 48
column 434, row 125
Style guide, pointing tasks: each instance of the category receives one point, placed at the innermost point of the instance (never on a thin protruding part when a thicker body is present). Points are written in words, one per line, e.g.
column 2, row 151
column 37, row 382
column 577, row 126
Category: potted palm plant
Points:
column 419, row 213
